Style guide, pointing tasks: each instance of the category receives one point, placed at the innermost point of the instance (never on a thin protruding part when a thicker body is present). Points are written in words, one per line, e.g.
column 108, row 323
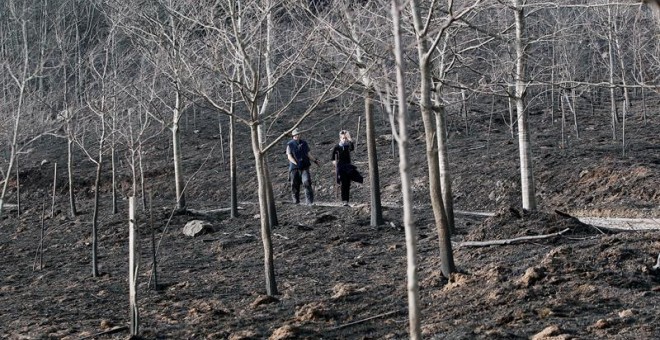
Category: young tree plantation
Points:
column 510, row 152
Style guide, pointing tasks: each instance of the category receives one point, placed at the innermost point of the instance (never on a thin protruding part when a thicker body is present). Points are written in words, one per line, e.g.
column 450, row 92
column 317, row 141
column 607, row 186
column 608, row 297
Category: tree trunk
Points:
column 376, row 210
column 18, row 189
column 21, row 81
column 445, row 175
column 414, row 315
column 270, row 196
column 232, row 169
column 69, row 165
column 133, row 255
column 266, row 237
column 176, row 156
column 142, row 189
column 374, row 178
column 113, row 165
column 13, row 147
column 563, row 120
column 610, row 53
column 95, row 214
column 435, row 190
column 113, row 170
column 524, row 143
column 626, row 95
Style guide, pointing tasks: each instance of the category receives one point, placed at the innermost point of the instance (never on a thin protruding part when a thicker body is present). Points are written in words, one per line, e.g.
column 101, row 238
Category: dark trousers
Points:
column 297, row 178
column 345, row 183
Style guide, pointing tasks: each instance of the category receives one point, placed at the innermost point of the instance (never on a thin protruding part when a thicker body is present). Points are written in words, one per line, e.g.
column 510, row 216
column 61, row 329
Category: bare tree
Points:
column 101, row 100
column 414, row 317
column 524, row 142
column 163, row 39
column 426, row 48
column 366, row 61
column 258, row 68
column 21, row 71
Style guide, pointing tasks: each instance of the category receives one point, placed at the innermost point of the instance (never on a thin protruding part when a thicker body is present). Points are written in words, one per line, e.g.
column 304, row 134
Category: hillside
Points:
column 337, row 276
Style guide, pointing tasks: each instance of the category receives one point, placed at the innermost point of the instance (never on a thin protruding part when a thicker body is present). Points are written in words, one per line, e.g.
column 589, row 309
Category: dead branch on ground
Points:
column 509, row 241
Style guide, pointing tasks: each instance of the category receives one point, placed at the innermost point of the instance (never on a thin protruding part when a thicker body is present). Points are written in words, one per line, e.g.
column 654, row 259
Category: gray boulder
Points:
column 197, row 227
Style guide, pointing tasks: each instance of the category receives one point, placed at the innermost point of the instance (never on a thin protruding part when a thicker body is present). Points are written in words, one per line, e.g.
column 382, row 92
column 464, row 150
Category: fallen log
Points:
column 364, row 320
column 509, row 241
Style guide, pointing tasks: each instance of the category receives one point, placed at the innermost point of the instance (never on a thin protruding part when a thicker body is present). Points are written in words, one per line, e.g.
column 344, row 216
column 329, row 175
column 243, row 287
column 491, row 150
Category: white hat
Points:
column 295, row 132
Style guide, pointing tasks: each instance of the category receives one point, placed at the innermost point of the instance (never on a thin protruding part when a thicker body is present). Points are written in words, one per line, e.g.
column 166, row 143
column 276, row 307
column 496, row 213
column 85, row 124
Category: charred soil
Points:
column 338, row 276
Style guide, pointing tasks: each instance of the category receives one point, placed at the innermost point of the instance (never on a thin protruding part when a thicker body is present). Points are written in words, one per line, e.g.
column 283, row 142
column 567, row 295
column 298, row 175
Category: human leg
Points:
column 295, row 178
column 307, row 184
column 345, row 188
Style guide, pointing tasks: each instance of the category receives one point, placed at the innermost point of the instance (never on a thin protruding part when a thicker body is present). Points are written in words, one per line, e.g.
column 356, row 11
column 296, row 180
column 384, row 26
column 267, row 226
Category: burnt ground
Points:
column 337, row 276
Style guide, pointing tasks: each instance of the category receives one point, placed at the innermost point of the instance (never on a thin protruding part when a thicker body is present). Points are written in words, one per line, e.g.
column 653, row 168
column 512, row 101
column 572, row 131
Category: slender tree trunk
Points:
column 414, row 315
column 372, row 155
column 142, row 189
column 512, row 109
column 133, row 255
column 69, row 148
column 52, row 205
column 435, row 189
column 553, row 105
column 21, row 81
column 563, row 120
column 610, row 54
column 642, row 91
column 232, row 169
column 445, row 174
column 374, row 178
column 626, row 95
column 266, row 237
column 69, row 166
column 573, row 106
column 270, row 196
column 95, row 214
column 18, row 190
column 113, row 170
column 524, row 143
column 176, row 154
column 464, row 108
column 443, row 154
column 12, row 149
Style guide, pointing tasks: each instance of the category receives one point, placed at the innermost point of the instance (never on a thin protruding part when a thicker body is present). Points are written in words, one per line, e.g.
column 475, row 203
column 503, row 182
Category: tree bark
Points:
column 374, row 178
column 524, row 143
column 414, row 314
column 176, row 154
column 430, row 132
column 266, row 237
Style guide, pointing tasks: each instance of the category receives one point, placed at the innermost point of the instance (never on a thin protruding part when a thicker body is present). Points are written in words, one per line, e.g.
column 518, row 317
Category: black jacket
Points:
column 342, row 153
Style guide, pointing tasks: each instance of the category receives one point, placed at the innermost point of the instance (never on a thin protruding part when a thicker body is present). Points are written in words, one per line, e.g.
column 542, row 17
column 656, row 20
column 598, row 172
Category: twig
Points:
column 109, row 331
column 364, row 320
column 509, row 241
column 211, row 212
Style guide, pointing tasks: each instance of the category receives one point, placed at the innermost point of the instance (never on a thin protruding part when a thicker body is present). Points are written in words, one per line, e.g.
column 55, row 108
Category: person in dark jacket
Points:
column 297, row 151
column 346, row 171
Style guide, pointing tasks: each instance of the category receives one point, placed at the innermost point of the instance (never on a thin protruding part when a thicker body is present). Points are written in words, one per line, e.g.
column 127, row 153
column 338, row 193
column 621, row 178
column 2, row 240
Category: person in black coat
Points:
column 346, row 172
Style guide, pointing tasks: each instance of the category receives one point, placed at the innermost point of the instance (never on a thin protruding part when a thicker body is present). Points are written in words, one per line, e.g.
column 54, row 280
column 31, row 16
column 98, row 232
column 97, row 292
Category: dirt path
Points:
column 622, row 223
column 619, row 223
